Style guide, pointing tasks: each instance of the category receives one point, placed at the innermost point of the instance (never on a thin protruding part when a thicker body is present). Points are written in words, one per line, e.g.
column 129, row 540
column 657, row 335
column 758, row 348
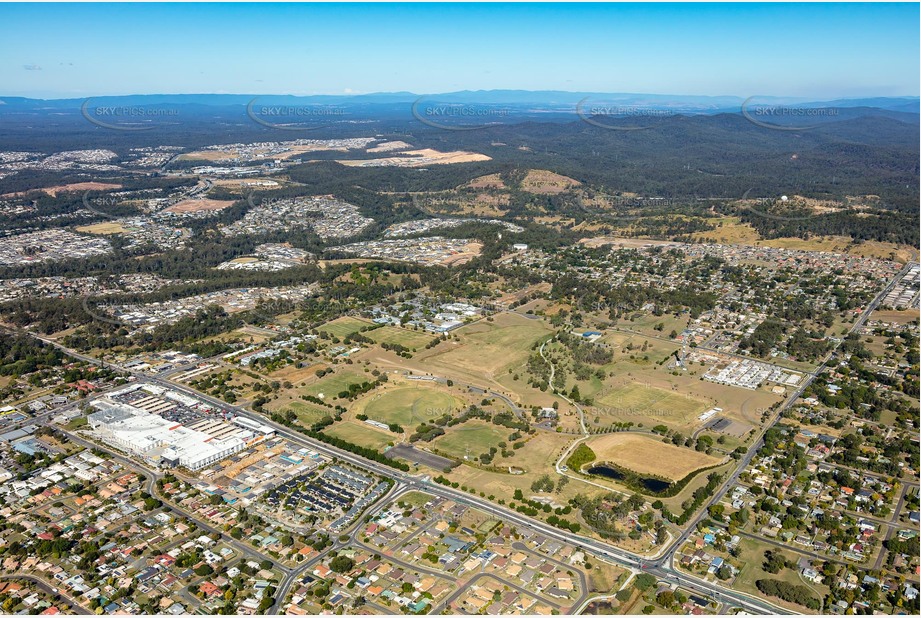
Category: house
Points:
column 209, row 589
column 811, row 575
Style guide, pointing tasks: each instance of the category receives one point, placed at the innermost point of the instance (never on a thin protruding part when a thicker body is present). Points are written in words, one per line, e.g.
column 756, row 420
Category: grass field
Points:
column 331, row 385
column 294, row 374
column 477, row 436
column 342, row 327
column 308, row 413
column 409, row 405
column 361, row 434
column 415, row 498
column 651, row 404
column 490, row 348
column 751, row 571
column 103, row 229
column 648, row 455
column 403, row 336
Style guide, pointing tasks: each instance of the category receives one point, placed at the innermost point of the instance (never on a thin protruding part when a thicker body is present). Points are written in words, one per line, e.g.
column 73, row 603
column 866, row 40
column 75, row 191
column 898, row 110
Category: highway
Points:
column 661, row 567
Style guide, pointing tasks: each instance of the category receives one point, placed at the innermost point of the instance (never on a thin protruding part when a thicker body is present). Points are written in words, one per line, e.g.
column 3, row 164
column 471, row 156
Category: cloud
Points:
column 31, row 67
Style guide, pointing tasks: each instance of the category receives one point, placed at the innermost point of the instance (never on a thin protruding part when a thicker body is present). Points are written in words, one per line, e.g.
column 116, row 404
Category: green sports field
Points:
column 477, row 436
column 361, row 434
column 409, row 406
column 411, row 339
column 342, row 327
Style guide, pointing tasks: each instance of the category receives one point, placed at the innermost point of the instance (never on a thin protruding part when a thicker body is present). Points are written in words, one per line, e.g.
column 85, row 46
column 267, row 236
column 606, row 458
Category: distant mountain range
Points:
column 518, row 100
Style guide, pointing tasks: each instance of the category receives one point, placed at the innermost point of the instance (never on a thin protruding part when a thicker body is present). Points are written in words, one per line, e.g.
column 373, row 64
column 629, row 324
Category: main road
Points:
column 661, row 567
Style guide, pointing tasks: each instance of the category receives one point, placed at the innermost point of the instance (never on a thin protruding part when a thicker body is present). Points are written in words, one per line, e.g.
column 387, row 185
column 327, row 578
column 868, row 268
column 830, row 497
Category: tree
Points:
column 666, row 598
column 645, row 581
column 203, row 570
column 341, row 564
column 774, row 562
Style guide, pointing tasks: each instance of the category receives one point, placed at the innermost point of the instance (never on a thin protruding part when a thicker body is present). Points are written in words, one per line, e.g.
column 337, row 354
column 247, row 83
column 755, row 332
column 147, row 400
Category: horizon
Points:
column 358, row 49
column 779, row 97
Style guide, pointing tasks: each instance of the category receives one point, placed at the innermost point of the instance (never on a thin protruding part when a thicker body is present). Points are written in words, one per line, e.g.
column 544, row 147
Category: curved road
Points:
column 662, row 567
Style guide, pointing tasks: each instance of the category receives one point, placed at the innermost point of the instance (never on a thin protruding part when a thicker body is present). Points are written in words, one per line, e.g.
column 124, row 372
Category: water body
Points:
column 653, row 485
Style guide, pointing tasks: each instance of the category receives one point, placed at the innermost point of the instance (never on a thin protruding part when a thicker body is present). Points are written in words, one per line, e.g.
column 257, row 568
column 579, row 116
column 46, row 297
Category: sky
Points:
column 797, row 50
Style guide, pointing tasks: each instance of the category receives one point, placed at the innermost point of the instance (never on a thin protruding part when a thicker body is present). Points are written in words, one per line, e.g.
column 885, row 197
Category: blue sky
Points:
column 810, row 50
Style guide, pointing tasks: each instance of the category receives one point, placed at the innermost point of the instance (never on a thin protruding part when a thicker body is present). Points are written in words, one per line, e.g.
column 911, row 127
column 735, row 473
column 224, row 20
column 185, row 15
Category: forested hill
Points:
column 859, row 151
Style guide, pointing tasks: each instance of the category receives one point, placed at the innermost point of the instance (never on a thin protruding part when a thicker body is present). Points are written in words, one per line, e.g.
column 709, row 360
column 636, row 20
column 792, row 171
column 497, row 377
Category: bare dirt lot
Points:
column 648, row 455
column 418, row 158
column 103, row 229
column 71, row 188
column 198, row 205
column 544, row 182
column 469, row 251
column 490, row 181
column 389, row 147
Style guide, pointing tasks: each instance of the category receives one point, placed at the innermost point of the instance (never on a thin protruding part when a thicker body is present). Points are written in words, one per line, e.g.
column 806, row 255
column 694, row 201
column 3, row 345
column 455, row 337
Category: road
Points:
column 759, row 441
column 601, row 550
column 662, row 567
column 446, row 604
column 150, row 486
column 578, row 408
column 50, row 590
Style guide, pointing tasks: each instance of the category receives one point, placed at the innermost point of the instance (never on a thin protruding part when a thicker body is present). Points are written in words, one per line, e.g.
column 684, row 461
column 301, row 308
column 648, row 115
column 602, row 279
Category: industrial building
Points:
column 161, row 441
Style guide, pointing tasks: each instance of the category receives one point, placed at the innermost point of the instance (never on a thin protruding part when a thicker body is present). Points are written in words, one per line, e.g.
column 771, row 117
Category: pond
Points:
column 653, row 485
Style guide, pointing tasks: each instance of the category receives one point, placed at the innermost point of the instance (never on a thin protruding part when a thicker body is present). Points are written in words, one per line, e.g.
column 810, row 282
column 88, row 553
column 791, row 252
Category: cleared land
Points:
column 544, row 182
column 895, row 317
column 389, row 146
column 410, row 405
column 648, row 401
column 417, row 158
column 462, row 256
column 103, row 229
column 74, row 186
column 234, row 154
column 411, row 339
column 488, row 348
column 361, row 434
column 474, row 437
column 489, row 181
column 648, row 455
column 308, row 413
column 752, row 570
column 331, row 385
column 343, row 327
column 732, row 231
column 198, row 205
